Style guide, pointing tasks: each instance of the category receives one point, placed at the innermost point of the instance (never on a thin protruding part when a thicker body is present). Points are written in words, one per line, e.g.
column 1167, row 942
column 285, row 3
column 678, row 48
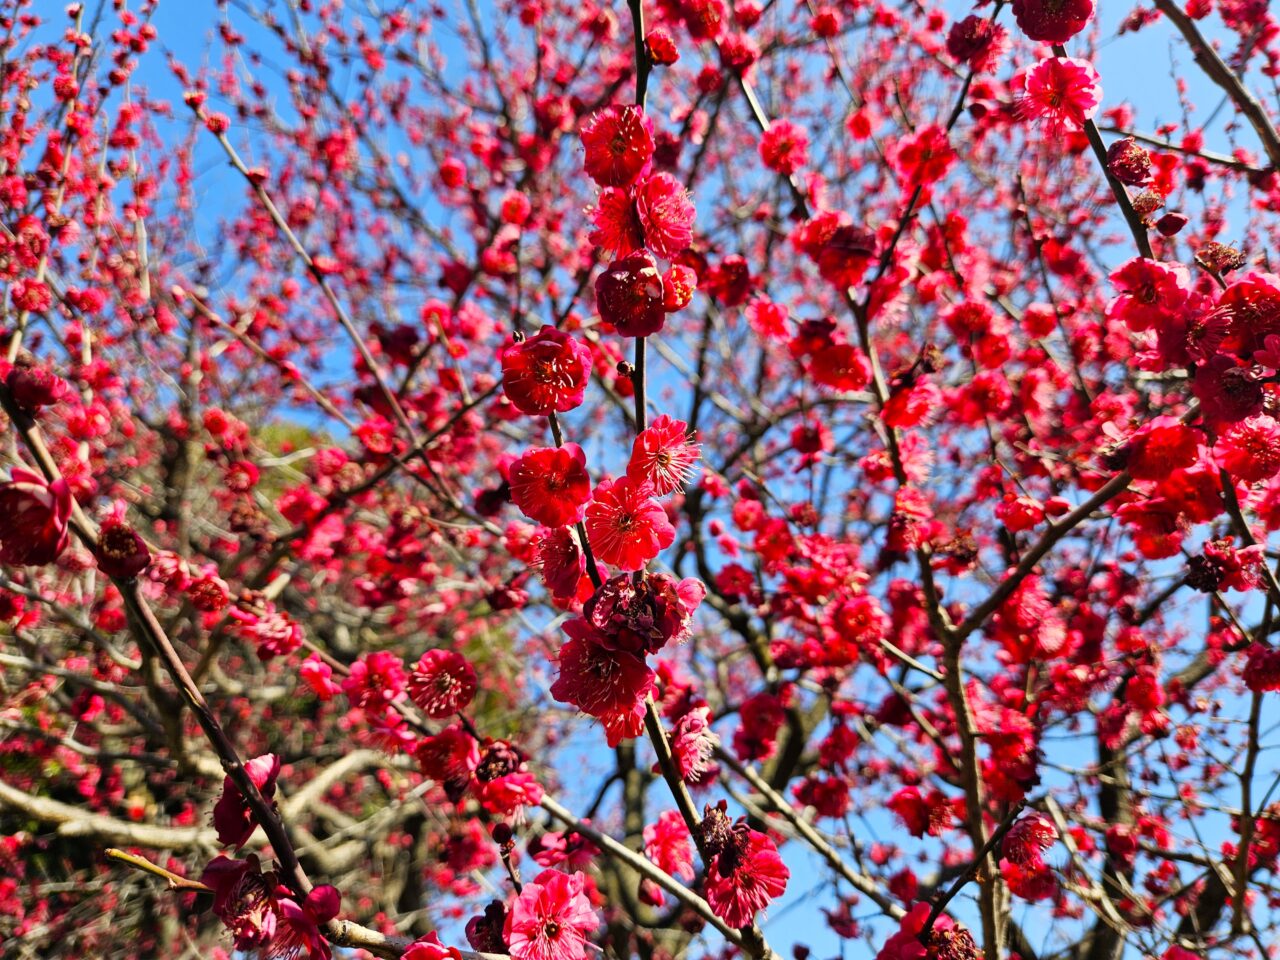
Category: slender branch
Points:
column 1226, row 78
column 142, row 863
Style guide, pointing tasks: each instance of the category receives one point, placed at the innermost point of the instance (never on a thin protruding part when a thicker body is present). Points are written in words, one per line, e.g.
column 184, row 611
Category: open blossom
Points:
column 33, row 518
column 443, row 682
column 610, row 685
column 1063, row 91
column 551, row 919
column 298, row 924
column 618, row 228
column 666, row 844
column 376, row 680
column 922, row 813
column 744, row 878
column 1052, row 21
column 977, row 42
column 784, row 147
column 450, row 755
column 664, row 455
column 550, row 484
column 318, row 675
column 840, row 367
column 946, row 939
column 272, row 630
column 626, row 526
column 232, row 818
column 33, row 387
column 562, row 561
column 666, row 214
column 923, row 157
column 1250, row 449
column 509, row 794
column 1227, row 391
column 1253, row 305
column 619, row 145
column 1028, row 839
column 1150, row 293
column 547, row 373
column 1162, row 446
column 679, row 284
column 242, row 900
column 845, row 255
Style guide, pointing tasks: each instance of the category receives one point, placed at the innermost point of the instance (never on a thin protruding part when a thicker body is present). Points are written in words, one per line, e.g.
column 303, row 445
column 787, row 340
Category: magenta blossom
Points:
column 551, row 919
column 33, row 519
column 232, row 817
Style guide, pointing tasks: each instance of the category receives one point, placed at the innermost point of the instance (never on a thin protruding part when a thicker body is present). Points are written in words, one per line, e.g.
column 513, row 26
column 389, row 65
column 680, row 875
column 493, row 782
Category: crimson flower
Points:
column 1062, row 91
column 643, row 616
column 840, row 367
column 1052, row 21
column 666, row 214
column 34, row 387
column 450, row 755
column 663, row 455
column 551, row 919
column 33, row 518
column 693, row 744
column 1162, row 446
column 678, row 286
column 1150, row 293
column 945, row 939
column 626, row 526
column 662, row 47
column 784, row 147
column 666, row 844
column 978, row 42
column 298, row 925
column 1262, row 670
column 1227, row 391
column 562, row 561
column 924, row 157
column 610, row 685
column 546, row 373
column 629, row 295
column 376, row 680
column 619, row 145
column 232, row 817
column 1253, row 306
column 121, row 553
column 442, row 683
column 618, row 228
column 1250, row 449
column 1028, row 839
column 1129, row 162
column 741, row 882
column 550, row 484
column 242, row 900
